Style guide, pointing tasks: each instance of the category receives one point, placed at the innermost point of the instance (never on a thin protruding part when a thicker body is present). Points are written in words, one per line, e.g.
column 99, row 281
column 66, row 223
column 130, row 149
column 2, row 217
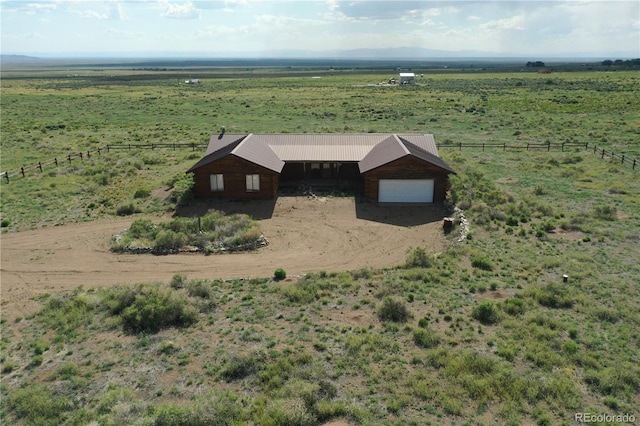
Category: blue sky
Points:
column 231, row 27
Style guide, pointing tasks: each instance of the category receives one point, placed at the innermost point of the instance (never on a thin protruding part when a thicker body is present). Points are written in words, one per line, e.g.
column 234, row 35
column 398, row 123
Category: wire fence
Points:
column 39, row 167
column 68, row 160
column 585, row 146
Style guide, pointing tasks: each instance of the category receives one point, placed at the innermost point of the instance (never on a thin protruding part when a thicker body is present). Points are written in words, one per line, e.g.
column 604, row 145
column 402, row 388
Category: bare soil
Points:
column 305, row 235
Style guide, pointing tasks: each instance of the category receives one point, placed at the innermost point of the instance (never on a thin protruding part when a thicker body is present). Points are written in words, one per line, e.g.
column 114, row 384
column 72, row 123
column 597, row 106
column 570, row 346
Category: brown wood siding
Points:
column 234, row 171
column 407, row 168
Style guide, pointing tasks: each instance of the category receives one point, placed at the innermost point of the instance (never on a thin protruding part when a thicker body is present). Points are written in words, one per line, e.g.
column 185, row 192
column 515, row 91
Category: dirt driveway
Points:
column 305, row 235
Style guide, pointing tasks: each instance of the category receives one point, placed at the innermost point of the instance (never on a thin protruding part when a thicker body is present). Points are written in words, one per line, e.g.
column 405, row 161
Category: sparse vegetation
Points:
column 406, row 345
column 210, row 233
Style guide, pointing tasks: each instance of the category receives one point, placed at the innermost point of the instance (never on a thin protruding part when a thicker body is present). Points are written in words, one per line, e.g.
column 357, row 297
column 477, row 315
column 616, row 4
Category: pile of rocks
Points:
column 459, row 217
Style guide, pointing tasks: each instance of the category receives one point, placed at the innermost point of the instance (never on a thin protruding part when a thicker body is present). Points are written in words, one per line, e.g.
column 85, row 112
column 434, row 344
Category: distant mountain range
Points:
column 382, row 54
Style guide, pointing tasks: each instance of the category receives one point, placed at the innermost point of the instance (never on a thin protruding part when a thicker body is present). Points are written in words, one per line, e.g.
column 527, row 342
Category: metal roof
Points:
column 252, row 148
column 370, row 150
column 219, row 147
column 395, row 147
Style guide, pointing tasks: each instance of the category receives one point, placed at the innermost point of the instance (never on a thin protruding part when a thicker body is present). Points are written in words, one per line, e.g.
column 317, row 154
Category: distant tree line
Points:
column 629, row 63
column 536, row 64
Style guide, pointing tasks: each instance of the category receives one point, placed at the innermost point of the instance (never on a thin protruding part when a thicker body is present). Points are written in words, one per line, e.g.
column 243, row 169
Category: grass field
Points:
column 486, row 332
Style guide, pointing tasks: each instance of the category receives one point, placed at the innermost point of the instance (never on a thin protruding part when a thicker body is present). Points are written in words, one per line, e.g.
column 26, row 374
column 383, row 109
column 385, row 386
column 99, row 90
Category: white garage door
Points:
column 405, row 191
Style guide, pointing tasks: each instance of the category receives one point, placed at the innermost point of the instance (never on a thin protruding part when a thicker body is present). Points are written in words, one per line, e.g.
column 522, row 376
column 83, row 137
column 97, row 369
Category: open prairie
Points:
column 380, row 318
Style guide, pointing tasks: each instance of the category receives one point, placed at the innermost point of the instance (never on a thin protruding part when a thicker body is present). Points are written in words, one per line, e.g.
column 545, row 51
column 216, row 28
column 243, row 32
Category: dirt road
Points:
column 305, row 235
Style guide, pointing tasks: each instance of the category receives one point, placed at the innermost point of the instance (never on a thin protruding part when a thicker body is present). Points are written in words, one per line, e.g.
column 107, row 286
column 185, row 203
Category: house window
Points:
column 217, row 183
column 253, row 183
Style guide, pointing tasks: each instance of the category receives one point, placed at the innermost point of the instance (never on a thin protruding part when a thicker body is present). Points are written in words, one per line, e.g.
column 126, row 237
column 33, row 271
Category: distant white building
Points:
column 194, row 81
column 407, row 78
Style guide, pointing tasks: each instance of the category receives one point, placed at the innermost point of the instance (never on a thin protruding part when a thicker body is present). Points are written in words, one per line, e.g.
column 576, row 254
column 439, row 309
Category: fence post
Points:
column 602, row 152
column 586, row 146
column 622, row 158
column 634, row 167
column 562, row 147
column 549, row 147
column 81, row 156
column 40, row 166
column 22, row 171
column 6, row 174
column 99, row 150
column 482, row 146
column 459, row 146
column 151, row 147
column 504, row 146
column 107, row 149
column 55, row 161
column 595, row 148
column 69, row 158
column 89, row 155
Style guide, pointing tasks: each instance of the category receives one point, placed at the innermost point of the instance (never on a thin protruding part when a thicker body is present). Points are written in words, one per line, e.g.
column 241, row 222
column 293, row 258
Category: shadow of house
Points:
column 405, row 215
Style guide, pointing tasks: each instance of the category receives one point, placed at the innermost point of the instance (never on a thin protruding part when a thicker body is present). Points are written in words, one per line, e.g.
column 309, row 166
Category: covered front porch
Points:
column 321, row 176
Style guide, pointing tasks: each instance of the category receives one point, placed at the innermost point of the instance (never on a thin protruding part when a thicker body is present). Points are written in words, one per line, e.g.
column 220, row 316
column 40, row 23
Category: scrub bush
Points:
column 279, row 274
column 486, row 312
column 393, row 310
column 154, row 309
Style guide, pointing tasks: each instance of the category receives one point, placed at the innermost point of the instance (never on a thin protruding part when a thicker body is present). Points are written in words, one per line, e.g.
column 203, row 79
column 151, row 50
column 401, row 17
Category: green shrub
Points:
column 621, row 379
column 279, row 274
column 5, row 223
column 482, row 263
column 127, row 210
column 286, row 411
column 178, row 281
column 154, row 309
column 38, row 405
column 551, row 295
column 425, row 338
column 301, row 292
column 210, row 410
column 417, row 257
column 486, row 312
column 513, row 307
column 169, row 240
column 393, row 310
column 182, row 185
column 239, row 367
column 199, row 289
column 142, row 229
column 605, row 212
column 112, row 397
column 142, row 193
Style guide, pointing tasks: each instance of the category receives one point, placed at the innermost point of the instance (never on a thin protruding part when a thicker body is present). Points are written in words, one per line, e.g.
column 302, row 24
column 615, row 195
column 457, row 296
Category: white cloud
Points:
column 182, row 10
column 90, row 14
column 35, row 8
column 512, row 23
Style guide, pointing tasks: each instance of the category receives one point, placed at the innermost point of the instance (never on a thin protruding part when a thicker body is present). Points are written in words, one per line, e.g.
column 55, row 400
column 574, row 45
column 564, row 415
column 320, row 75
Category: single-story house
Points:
column 407, row 78
column 392, row 168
